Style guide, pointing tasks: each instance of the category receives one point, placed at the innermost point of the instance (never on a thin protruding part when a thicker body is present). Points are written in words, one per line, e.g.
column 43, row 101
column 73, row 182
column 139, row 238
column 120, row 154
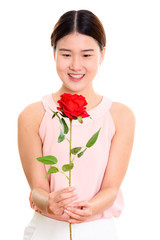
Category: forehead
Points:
column 77, row 41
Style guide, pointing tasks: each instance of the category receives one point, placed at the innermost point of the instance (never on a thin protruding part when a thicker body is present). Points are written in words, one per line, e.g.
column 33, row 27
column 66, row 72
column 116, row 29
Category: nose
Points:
column 76, row 64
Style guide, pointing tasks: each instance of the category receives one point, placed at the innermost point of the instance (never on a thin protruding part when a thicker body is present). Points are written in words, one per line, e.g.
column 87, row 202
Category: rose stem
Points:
column 70, row 160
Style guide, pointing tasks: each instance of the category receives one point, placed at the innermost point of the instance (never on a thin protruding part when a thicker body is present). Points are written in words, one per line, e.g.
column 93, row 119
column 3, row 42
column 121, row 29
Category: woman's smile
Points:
column 76, row 77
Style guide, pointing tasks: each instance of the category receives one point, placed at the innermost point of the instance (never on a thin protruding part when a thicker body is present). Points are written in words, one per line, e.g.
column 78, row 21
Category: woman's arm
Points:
column 119, row 156
column 30, row 147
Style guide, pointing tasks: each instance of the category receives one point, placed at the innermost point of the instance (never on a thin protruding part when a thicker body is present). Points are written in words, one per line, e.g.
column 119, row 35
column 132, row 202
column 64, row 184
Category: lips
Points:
column 76, row 77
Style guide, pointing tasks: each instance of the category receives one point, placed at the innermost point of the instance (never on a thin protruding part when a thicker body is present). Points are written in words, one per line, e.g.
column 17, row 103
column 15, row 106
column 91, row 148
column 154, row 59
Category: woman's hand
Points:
column 79, row 212
column 57, row 201
column 54, row 202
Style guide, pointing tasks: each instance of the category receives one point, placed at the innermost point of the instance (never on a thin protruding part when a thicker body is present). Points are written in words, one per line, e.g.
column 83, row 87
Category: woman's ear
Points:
column 102, row 55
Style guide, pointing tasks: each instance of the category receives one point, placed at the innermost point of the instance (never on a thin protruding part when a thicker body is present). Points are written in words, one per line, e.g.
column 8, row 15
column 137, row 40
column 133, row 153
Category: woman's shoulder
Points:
column 32, row 115
column 122, row 115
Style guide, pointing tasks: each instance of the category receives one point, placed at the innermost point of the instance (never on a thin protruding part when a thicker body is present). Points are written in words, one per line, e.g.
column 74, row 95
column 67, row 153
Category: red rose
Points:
column 72, row 106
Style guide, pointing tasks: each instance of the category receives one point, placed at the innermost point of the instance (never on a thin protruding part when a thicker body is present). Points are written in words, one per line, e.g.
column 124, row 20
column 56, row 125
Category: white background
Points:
column 129, row 74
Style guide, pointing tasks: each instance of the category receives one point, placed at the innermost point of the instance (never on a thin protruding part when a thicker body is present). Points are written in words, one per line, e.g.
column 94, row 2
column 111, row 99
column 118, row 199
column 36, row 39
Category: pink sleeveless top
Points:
column 88, row 171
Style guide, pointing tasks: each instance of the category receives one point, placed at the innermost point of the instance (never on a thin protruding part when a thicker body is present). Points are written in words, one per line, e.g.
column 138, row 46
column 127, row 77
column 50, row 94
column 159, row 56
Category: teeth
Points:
column 76, row 76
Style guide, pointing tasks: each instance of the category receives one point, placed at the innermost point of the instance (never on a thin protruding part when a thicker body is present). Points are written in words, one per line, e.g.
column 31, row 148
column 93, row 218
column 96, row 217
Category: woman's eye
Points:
column 87, row 55
column 66, row 55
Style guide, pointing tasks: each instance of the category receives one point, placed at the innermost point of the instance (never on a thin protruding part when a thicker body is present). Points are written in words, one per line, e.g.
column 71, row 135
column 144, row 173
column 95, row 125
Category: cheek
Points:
column 60, row 65
column 93, row 66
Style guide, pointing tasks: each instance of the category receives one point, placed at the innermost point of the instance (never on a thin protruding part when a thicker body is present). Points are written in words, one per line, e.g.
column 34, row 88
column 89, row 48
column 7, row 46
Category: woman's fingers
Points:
column 81, row 204
column 67, row 201
column 65, row 196
column 79, row 212
column 74, row 216
column 66, row 190
column 59, row 199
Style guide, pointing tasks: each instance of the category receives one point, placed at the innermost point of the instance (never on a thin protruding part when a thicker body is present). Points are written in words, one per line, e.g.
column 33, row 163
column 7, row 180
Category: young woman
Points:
column 95, row 198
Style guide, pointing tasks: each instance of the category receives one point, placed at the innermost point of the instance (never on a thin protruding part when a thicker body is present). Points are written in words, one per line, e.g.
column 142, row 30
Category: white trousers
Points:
column 44, row 228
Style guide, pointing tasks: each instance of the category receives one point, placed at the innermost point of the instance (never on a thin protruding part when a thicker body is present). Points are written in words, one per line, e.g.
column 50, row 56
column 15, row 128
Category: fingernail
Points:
column 76, row 197
column 71, row 188
column 70, row 205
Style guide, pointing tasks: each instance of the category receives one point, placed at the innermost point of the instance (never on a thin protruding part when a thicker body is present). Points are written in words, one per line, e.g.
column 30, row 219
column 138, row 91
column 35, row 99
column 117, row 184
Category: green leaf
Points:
column 47, row 159
column 93, row 139
column 81, row 153
column 64, row 125
column 52, row 170
column 67, row 167
column 61, row 136
column 75, row 150
column 80, row 119
column 55, row 113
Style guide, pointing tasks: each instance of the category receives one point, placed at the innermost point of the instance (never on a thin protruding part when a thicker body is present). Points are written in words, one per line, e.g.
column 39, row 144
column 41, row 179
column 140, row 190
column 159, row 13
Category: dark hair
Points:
column 81, row 21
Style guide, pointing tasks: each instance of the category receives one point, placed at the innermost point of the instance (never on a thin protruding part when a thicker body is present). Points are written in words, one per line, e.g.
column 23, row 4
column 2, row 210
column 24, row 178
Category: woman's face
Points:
column 77, row 58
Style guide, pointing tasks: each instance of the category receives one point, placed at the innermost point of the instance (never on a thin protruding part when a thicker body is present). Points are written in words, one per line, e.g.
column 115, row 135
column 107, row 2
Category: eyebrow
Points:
column 68, row 50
